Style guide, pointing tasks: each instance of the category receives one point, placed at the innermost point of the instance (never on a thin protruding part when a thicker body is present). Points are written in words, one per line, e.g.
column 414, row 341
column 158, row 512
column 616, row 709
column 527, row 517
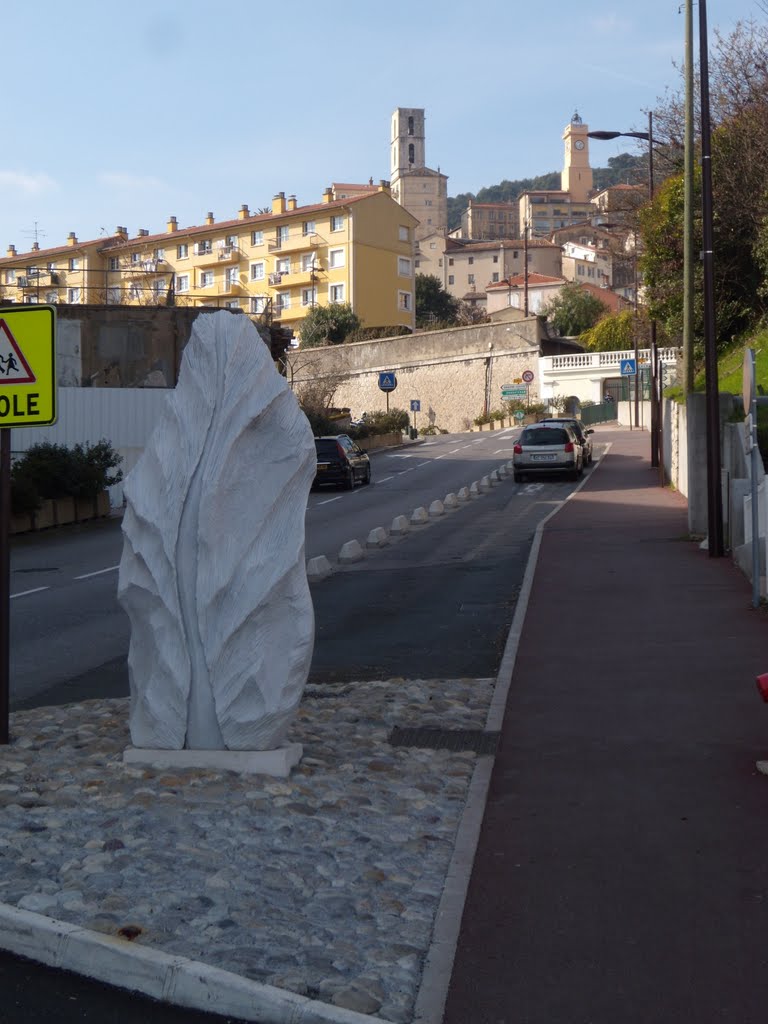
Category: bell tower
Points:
column 407, row 141
column 576, row 176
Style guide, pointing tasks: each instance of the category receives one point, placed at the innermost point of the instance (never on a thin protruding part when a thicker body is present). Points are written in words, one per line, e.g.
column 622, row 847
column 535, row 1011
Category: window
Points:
column 404, row 300
column 232, row 276
column 404, row 266
column 114, row 296
column 495, row 259
column 182, row 251
column 52, row 298
column 471, row 260
column 234, row 304
column 417, row 264
column 404, row 233
column 410, row 126
column 308, row 227
column 257, row 271
column 514, row 254
column 335, row 258
column 495, row 278
column 10, row 276
column 283, row 266
column 258, row 303
column 450, row 262
column 230, row 241
column 411, row 153
column 73, row 295
column 257, row 238
column 433, row 245
column 427, row 202
column 451, row 279
column 204, row 247
column 307, row 262
column 580, row 271
column 337, row 223
column 74, row 263
column 182, row 283
column 283, row 300
column 32, row 300
column 159, row 287
column 439, row 263
column 336, row 293
column 308, row 296
column 282, row 235
column 159, row 254
column 470, row 278
column 590, row 271
column 206, row 279
column 114, row 263
column 134, row 291
column 135, row 258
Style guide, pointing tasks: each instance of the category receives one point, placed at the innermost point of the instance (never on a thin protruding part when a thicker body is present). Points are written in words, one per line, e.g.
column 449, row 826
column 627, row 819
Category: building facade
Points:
column 275, row 265
column 541, row 211
column 490, row 220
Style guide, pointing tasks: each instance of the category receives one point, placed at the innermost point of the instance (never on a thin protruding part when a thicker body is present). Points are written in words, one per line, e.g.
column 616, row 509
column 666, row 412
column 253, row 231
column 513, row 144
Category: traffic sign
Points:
column 514, row 391
column 519, row 415
column 628, row 367
column 27, row 366
column 528, row 376
column 415, row 405
column 387, row 381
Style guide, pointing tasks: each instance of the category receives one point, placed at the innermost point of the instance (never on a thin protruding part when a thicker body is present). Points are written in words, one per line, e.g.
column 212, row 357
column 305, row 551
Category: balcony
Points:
column 227, row 253
column 231, row 288
column 37, row 279
column 297, row 242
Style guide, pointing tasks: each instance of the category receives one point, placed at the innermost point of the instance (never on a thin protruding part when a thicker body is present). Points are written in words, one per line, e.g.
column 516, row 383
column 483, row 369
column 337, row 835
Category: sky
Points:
column 130, row 113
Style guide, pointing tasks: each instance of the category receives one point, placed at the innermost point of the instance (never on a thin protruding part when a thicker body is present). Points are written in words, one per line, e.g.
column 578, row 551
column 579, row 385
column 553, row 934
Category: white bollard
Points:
column 399, row 526
column 463, row 494
column 352, row 551
column 419, row 516
column 494, row 478
column 485, row 484
column 474, row 490
column 450, row 500
column 502, row 472
column 318, row 568
column 377, row 538
column 436, row 509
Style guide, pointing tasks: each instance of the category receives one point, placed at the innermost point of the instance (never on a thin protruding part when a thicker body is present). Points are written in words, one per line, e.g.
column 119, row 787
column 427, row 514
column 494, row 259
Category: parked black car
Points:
column 341, row 462
column 583, row 433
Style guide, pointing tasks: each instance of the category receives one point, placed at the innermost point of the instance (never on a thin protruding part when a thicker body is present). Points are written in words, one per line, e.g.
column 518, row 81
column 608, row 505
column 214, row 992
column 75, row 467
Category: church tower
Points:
column 576, row 177
column 422, row 191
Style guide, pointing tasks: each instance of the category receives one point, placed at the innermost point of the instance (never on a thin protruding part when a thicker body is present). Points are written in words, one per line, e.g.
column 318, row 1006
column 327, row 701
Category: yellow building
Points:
column 276, row 265
column 543, row 211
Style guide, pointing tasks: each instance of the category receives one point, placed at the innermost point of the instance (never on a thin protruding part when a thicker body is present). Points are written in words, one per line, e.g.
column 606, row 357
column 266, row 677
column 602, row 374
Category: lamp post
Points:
column 655, row 446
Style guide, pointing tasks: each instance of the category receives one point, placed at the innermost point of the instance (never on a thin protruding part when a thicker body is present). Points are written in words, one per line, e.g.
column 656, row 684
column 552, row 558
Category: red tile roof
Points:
column 534, row 281
column 42, row 254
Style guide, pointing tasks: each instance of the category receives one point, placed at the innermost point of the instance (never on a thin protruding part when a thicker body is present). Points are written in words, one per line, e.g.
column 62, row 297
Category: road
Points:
column 448, row 586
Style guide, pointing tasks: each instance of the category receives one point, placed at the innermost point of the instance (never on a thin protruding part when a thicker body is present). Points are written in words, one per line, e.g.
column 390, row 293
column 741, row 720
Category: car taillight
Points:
column 568, row 447
column 518, row 449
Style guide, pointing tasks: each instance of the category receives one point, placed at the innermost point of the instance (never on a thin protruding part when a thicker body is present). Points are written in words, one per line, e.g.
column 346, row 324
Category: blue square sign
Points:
column 628, row 367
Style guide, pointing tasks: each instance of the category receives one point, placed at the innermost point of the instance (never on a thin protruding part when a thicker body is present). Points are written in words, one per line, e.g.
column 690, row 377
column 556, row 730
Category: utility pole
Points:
column 525, row 267
column 688, row 265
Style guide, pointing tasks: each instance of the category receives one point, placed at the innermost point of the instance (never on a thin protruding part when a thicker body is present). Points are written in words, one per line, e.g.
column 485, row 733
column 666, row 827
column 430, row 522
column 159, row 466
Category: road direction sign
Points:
column 628, row 367
column 528, row 376
column 519, row 415
column 514, row 391
column 415, row 405
column 387, row 381
column 27, row 366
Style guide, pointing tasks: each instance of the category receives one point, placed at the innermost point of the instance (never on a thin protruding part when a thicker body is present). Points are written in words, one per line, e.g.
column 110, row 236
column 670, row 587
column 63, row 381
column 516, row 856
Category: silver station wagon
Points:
column 543, row 449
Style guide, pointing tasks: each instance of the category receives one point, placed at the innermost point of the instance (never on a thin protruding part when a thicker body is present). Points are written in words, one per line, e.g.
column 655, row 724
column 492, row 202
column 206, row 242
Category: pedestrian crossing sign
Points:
column 628, row 367
column 27, row 366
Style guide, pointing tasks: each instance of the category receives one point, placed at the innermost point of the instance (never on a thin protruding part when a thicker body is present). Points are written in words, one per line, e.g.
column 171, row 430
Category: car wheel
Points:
column 349, row 483
column 367, row 477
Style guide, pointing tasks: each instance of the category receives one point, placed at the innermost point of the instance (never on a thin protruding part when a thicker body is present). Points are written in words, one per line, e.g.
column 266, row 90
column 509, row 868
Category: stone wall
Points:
column 456, row 374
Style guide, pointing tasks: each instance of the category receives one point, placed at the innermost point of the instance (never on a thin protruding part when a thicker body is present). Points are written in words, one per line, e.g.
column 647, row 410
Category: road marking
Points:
column 454, row 450
column 404, row 471
column 100, row 572
column 329, row 500
column 400, row 455
column 24, row 593
column 384, row 479
column 423, row 464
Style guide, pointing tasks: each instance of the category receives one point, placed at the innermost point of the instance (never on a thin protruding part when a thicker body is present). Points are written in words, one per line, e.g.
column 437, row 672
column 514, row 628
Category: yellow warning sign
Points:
column 27, row 366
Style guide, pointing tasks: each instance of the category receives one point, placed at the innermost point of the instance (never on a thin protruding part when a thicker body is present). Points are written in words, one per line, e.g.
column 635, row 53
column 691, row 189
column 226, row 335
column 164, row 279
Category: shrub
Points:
column 381, row 423
column 482, row 418
column 54, row 471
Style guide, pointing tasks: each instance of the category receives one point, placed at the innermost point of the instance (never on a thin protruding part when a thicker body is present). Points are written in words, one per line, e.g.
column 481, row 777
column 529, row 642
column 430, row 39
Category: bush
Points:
column 484, row 417
column 54, row 471
column 381, row 423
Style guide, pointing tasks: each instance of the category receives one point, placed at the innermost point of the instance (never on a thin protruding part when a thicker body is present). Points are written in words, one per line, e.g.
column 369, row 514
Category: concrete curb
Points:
column 438, row 964
column 170, row 979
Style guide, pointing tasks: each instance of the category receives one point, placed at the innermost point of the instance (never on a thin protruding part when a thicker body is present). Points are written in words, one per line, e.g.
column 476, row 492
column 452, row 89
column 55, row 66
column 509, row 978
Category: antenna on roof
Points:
column 37, row 234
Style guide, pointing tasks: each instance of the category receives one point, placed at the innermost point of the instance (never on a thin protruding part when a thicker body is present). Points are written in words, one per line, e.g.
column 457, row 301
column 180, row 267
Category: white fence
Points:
column 123, row 416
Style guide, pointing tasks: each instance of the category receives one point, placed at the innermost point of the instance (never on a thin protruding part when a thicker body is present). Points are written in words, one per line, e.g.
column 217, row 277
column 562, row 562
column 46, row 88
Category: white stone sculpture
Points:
column 213, row 575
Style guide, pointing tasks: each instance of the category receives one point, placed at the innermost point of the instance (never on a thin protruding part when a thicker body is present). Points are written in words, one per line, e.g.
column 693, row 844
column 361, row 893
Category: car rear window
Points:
column 326, row 447
column 545, row 435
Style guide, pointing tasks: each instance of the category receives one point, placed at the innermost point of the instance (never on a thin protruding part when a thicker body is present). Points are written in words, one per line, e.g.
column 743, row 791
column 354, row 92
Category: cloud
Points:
column 134, row 182
column 29, row 184
column 610, row 25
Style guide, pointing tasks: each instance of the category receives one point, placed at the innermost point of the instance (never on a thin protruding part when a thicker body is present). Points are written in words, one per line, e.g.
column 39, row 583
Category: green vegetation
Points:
column 328, row 325
column 55, row 471
column 380, row 423
column 573, row 310
column 433, row 303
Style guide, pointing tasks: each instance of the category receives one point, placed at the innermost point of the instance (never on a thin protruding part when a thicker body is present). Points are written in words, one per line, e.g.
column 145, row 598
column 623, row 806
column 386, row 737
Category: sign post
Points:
column 749, row 395
column 27, row 399
column 415, row 407
column 628, row 368
column 387, row 383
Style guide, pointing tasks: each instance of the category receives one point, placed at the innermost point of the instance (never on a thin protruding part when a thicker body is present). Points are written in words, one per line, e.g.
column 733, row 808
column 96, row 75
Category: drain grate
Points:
column 476, row 740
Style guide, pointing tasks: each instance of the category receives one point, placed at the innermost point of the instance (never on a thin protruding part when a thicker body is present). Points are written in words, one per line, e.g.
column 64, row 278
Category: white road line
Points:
column 429, row 463
column 400, row 455
column 24, row 593
column 100, row 572
column 404, row 471
column 454, row 450
column 329, row 500
column 384, row 479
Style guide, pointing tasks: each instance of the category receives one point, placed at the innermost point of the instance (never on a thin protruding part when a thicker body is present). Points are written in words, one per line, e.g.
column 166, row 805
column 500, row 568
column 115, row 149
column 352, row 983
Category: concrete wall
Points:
column 455, row 374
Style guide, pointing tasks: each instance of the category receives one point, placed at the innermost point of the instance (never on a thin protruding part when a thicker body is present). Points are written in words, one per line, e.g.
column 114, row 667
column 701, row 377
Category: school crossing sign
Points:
column 27, row 366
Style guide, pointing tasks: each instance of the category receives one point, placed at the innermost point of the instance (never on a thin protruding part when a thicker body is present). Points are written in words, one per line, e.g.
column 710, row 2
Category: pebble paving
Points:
column 326, row 884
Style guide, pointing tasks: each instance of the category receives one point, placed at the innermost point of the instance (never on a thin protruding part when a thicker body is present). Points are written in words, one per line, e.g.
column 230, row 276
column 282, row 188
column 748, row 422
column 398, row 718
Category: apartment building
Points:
column 490, row 220
column 543, row 211
column 531, row 293
column 470, row 267
column 357, row 249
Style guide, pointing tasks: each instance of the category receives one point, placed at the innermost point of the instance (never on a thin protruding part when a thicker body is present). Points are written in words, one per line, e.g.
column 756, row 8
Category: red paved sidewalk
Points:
column 622, row 871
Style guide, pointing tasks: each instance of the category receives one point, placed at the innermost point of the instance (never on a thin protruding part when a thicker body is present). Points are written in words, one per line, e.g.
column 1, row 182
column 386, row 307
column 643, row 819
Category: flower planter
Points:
column 63, row 511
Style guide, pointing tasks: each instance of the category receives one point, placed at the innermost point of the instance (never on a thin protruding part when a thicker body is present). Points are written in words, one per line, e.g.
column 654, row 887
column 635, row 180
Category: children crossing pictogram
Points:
column 14, row 368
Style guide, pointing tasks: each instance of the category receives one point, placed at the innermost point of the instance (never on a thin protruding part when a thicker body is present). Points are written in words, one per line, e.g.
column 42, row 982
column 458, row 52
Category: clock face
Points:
column 579, row 144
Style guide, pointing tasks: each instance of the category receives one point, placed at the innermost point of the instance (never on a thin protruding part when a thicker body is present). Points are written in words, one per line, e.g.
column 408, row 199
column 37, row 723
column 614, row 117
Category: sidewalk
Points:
column 622, row 871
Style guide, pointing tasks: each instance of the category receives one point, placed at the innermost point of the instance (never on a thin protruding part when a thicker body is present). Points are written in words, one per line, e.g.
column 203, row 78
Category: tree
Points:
column 618, row 332
column 434, row 305
column 574, row 310
column 328, row 325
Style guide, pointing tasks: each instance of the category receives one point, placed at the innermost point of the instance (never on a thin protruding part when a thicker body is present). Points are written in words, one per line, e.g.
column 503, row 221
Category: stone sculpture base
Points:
column 278, row 762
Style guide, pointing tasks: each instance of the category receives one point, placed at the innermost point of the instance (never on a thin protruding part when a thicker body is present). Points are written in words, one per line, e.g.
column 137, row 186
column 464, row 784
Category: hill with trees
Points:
column 625, row 168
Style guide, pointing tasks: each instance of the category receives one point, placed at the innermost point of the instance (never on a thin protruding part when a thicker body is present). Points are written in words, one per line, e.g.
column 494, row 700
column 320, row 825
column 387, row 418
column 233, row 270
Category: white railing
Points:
column 602, row 360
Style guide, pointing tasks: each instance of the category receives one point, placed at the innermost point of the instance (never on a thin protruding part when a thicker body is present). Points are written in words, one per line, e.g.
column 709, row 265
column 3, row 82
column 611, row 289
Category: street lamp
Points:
column 655, row 446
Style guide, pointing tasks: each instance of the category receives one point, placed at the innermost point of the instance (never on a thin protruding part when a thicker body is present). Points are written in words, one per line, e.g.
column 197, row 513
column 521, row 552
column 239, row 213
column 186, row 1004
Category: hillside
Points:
column 621, row 169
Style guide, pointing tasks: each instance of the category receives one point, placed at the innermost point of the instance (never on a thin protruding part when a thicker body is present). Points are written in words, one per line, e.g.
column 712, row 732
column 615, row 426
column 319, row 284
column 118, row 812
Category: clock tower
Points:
column 576, row 177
